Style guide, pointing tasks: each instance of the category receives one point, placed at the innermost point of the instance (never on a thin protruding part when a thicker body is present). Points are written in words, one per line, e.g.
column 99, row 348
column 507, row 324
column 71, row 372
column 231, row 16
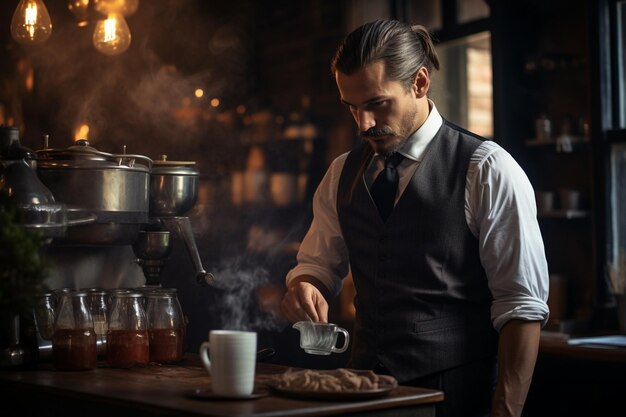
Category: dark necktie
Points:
column 385, row 186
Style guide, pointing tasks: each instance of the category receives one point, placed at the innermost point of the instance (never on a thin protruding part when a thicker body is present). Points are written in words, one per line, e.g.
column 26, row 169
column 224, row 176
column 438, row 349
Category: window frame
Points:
column 605, row 126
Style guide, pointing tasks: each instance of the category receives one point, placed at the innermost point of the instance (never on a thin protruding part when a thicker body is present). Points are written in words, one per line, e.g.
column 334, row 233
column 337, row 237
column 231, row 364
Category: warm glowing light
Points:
column 29, row 80
column 123, row 7
column 81, row 132
column 111, row 36
column 199, row 92
column 109, row 30
column 31, row 22
column 215, row 102
column 241, row 109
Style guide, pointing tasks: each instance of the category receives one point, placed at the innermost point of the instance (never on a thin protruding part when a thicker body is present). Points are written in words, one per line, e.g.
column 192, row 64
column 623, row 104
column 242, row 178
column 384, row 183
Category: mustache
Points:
column 374, row 132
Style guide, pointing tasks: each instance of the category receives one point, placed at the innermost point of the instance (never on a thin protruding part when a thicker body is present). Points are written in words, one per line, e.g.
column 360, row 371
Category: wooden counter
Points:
column 560, row 348
column 160, row 390
column 577, row 381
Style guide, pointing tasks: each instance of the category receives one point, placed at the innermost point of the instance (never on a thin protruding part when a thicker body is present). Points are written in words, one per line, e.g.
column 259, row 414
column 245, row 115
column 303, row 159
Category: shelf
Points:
column 572, row 143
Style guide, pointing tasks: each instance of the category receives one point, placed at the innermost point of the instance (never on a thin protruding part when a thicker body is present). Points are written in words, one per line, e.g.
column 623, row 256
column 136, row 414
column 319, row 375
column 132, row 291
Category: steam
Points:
column 240, row 309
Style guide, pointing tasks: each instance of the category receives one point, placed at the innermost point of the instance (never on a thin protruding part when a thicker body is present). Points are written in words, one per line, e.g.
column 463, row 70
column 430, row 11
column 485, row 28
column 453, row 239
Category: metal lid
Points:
column 164, row 167
column 83, row 156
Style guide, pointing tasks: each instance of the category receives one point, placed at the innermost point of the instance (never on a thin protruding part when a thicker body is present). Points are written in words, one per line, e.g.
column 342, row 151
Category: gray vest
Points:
column 422, row 300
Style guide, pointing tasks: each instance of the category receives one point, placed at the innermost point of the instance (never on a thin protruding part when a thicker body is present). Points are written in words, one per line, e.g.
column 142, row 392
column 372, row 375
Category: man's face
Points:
column 385, row 112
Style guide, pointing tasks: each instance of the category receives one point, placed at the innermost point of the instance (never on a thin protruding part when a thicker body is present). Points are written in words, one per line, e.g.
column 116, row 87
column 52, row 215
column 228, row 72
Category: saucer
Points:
column 206, row 393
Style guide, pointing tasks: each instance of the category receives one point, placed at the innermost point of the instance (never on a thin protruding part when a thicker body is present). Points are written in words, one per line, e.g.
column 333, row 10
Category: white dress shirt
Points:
column 500, row 211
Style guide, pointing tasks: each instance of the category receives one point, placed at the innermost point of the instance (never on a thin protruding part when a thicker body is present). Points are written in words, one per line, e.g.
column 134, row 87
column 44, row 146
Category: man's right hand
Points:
column 304, row 297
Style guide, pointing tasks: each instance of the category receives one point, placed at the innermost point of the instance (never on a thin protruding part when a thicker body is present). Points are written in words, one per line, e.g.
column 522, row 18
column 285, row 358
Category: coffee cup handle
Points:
column 346, row 340
column 204, row 355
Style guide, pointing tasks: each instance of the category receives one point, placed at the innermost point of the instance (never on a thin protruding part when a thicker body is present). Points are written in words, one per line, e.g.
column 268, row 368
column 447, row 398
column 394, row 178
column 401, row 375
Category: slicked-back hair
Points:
column 403, row 48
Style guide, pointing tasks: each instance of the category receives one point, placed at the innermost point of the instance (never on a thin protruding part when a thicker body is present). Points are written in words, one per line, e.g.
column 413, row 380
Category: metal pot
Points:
column 112, row 187
column 173, row 187
column 34, row 204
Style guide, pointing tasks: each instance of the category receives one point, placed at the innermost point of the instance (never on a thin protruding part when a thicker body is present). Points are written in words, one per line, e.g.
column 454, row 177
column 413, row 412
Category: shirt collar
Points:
column 417, row 143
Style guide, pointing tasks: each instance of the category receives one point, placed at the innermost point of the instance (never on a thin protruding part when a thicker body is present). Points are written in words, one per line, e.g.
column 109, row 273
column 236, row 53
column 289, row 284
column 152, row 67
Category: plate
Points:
column 206, row 393
column 383, row 389
column 333, row 395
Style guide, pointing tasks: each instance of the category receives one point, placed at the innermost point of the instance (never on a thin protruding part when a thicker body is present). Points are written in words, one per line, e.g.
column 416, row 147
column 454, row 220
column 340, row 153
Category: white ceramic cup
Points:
column 230, row 358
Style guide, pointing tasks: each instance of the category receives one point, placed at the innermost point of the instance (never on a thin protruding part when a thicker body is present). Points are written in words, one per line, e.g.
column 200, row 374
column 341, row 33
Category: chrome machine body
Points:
column 99, row 213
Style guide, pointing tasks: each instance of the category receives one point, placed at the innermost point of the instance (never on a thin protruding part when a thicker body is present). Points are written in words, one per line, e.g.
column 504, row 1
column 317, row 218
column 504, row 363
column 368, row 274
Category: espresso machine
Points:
column 173, row 192
column 136, row 201
column 100, row 213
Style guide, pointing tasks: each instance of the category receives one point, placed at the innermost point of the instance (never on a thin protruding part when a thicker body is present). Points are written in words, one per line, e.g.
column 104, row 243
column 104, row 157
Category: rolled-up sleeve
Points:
column 502, row 213
column 323, row 253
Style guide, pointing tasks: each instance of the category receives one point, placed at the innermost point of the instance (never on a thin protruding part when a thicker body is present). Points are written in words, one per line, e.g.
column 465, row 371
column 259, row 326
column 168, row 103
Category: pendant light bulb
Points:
column 31, row 22
column 111, row 36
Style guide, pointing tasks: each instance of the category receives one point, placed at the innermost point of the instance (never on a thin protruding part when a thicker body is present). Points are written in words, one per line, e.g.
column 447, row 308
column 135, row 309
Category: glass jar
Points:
column 74, row 339
column 112, row 291
column 165, row 327
column 58, row 294
column 44, row 315
column 127, row 342
column 184, row 321
column 144, row 290
column 99, row 308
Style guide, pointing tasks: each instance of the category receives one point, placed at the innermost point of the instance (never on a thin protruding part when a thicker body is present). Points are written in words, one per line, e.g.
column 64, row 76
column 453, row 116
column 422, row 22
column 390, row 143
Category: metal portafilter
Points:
column 152, row 249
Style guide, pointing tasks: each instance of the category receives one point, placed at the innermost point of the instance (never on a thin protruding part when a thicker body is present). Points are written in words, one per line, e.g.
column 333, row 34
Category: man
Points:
column 455, row 276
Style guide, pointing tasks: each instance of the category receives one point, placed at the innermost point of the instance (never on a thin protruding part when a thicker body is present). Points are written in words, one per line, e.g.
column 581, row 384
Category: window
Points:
column 618, row 199
column 469, row 10
column 463, row 91
column 613, row 126
column 620, row 52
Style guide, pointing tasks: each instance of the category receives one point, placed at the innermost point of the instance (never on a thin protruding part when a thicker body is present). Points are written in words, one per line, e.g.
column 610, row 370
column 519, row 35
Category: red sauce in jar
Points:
column 126, row 348
column 74, row 350
column 166, row 345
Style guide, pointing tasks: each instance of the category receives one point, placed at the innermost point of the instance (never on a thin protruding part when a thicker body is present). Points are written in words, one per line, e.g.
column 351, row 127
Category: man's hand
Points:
column 304, row 298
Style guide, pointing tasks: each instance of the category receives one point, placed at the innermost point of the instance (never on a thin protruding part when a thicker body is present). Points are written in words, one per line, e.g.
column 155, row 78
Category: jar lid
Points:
column 162, row 166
